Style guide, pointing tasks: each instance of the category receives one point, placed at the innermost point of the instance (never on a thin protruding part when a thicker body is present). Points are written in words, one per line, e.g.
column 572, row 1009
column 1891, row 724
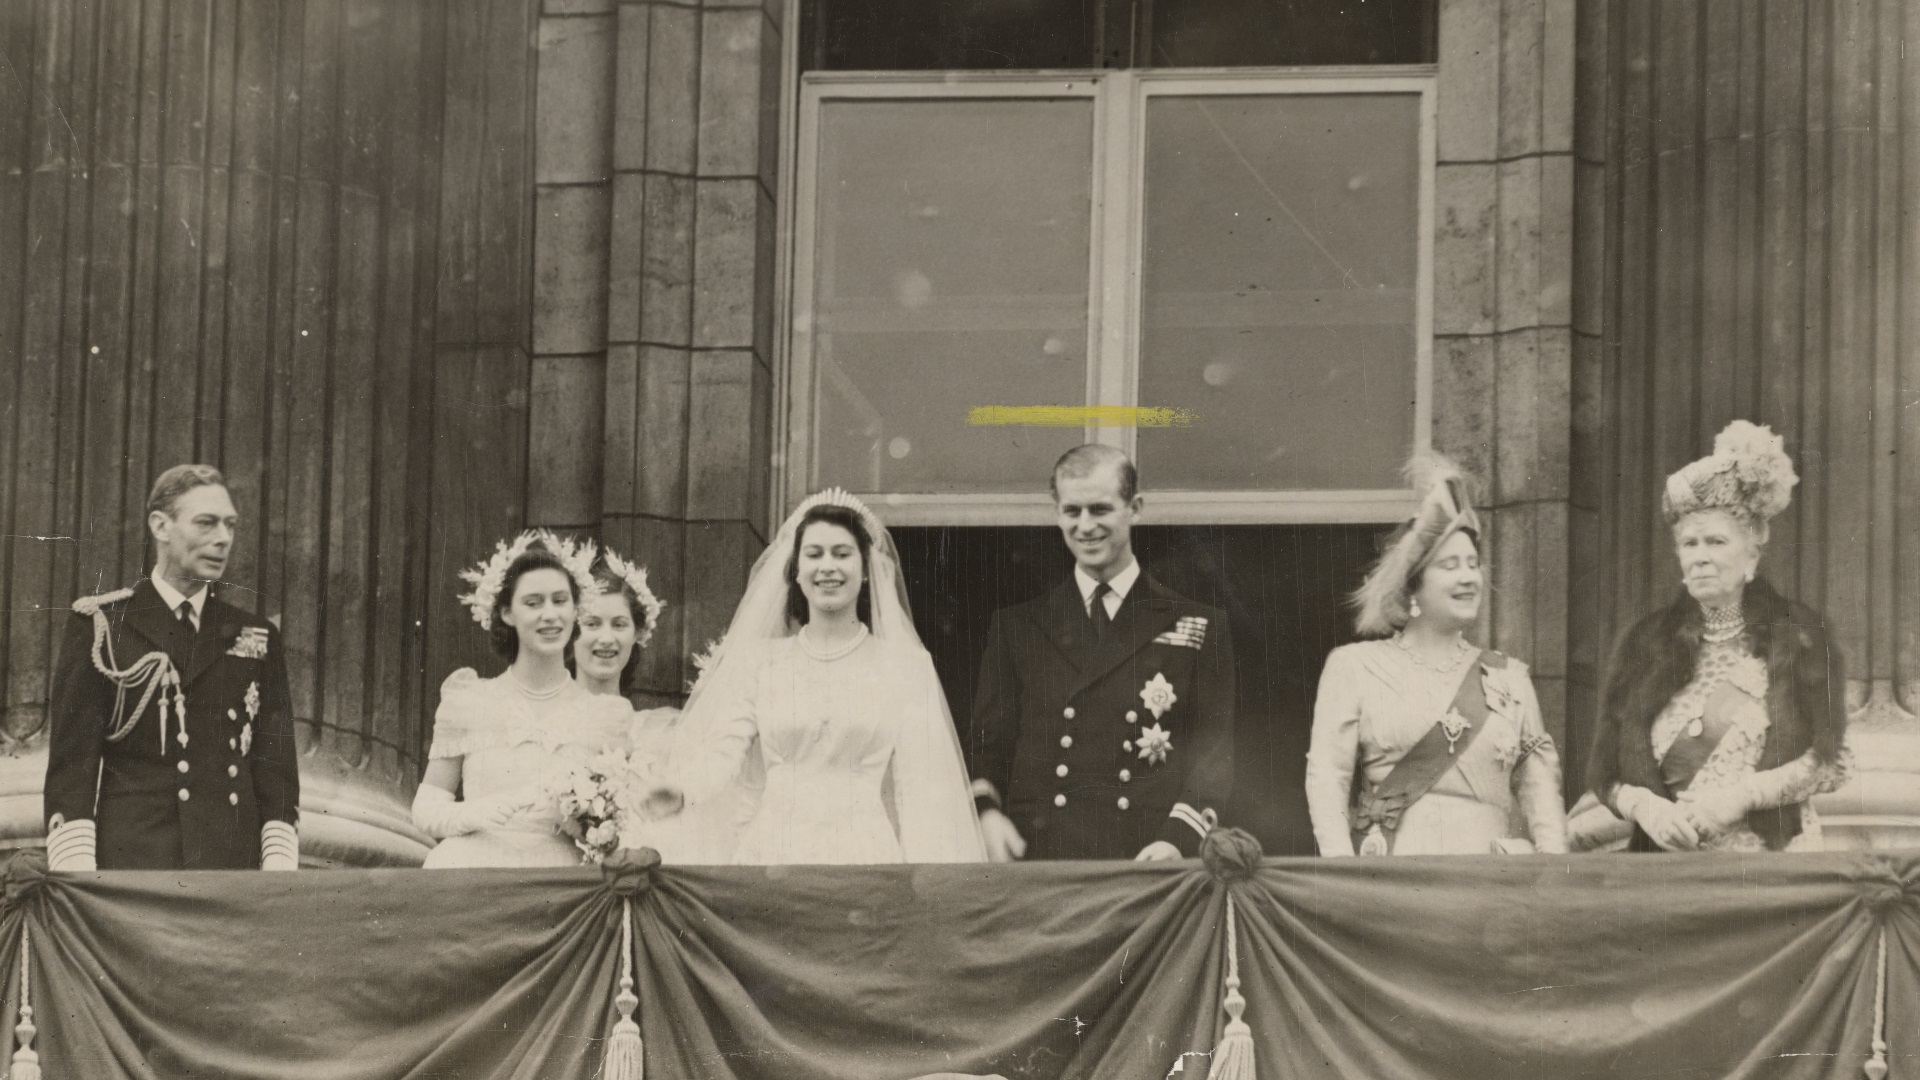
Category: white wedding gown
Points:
column 513, row 746
column 853, row 771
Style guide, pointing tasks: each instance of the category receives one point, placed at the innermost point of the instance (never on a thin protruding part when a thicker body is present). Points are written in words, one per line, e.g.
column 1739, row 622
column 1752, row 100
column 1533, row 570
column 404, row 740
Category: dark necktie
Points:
column 185, row 614
column 1102, row 621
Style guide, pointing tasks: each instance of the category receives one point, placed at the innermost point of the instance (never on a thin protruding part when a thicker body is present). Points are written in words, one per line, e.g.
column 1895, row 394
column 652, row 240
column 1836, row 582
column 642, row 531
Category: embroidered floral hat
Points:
column 1748, row 474
column 1446, row 507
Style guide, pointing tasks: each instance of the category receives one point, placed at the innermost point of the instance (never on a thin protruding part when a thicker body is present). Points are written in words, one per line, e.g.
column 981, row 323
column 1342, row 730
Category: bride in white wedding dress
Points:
column 821, row 733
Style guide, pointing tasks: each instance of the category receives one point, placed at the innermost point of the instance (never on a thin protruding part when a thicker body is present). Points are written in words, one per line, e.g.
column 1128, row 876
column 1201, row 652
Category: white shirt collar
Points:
column 1122, row 584
column 172, row 596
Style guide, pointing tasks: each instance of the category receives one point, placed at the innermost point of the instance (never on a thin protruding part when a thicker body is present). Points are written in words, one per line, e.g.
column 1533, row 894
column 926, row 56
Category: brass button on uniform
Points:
column 183, row 766
column 1067, row 712
column 1060, row 770
column 233, row 799
column 1128, row 745
column 1132, row 717
column 1126, row 775
column 234, row 770
column 1058, row 800
column 1123, row 802
column 185, row 794
column 1066, row 741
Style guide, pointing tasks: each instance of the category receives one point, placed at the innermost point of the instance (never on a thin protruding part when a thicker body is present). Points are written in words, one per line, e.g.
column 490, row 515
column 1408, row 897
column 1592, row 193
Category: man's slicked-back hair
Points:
column 176, row 482
column 1089, row 458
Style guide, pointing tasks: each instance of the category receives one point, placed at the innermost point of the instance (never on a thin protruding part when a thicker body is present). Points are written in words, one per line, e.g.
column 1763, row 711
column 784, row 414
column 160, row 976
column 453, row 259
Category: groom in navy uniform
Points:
column 171, row 744
column 1103, row 725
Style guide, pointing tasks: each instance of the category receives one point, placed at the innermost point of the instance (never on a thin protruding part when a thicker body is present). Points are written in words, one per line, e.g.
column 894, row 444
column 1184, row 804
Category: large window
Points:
column 1246, row 251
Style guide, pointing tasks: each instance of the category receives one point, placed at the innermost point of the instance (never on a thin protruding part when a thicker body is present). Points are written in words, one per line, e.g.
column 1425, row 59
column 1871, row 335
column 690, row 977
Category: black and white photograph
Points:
column 959, row 539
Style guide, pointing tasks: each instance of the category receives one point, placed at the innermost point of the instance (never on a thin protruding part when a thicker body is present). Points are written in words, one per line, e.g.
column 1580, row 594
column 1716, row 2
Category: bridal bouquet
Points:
column 595, row 800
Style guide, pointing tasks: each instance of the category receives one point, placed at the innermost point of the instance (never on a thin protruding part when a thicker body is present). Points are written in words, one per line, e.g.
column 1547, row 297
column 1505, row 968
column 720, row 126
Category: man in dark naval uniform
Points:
column 172, row 736
column 1103, row 726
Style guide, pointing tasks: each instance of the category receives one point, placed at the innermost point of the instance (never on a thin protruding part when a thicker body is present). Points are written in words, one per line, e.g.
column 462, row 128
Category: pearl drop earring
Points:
column 1413, row 608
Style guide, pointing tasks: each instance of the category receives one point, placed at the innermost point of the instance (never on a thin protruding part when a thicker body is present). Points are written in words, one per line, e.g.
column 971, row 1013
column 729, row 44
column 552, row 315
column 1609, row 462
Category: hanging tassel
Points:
column 1233, row 1058
column 626, row 1054
column 1876, row 1067
column 26, row 1063
column 1375, row 842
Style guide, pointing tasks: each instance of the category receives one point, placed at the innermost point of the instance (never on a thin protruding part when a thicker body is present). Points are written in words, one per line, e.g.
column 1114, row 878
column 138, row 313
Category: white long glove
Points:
column 1659, row 818
column 438, row 814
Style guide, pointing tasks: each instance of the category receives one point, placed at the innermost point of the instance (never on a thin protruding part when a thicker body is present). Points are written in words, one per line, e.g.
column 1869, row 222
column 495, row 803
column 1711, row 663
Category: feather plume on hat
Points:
column 1748, row 474
column 1446, row 507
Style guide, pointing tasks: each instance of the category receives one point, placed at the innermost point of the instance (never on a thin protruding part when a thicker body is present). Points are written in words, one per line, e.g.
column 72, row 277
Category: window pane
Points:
column 1279, row 268
column 950, row 271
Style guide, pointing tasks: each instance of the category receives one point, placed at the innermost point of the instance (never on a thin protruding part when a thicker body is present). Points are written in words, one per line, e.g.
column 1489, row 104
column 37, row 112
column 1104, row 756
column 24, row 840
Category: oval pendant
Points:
column 1695, row 727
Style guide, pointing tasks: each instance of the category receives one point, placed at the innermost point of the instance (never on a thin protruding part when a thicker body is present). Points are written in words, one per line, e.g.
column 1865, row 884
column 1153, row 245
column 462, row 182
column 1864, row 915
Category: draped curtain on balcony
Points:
column 1596, row 966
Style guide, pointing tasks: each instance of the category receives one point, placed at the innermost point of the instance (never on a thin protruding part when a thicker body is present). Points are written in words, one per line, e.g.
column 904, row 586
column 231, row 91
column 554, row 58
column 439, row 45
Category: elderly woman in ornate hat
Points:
column 1722, row 714
column 1446, row 737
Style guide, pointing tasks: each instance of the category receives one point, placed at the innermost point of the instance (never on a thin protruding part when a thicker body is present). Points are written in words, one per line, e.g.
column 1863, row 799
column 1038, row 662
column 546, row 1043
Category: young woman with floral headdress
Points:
column 1723, row 712
column 820, row 733
column 498, row 742
column 1444, row 738
column 617, row 620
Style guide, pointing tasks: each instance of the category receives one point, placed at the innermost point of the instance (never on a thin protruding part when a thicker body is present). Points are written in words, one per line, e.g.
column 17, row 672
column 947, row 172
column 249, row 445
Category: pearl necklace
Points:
column 1461, row 651
column 538, row 695
column 1723, row 624
column 830, row 655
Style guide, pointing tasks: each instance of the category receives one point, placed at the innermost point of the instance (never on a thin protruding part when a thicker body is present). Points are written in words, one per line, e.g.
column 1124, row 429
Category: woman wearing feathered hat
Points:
column 1722, row 712
column 1446, row 737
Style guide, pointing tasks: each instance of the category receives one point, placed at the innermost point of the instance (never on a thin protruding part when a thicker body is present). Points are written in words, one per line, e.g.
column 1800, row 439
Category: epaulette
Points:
column 91, row 605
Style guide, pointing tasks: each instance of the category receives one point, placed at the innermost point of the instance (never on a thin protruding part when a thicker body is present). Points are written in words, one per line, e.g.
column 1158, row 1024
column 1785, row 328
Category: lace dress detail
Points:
column 1737, row 756
column 512, row 747
column 1376, row 701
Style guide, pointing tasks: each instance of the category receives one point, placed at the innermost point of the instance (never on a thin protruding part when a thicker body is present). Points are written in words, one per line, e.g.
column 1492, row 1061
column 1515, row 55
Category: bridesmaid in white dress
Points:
column 821, row 730
column 500, row 742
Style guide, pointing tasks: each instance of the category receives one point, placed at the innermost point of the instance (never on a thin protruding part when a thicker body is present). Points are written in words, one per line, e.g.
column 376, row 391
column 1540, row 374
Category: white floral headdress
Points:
column 635, row 576
column 490, row 576
column 1748, row 473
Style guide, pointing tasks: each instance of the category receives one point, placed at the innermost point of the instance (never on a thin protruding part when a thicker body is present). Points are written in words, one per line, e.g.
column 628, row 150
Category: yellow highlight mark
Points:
column 1079, row 416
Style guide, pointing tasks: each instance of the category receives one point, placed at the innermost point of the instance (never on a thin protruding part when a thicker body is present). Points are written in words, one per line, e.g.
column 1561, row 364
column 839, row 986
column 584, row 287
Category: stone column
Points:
column 573, row 195
column 1503, row 262
column 689, row 302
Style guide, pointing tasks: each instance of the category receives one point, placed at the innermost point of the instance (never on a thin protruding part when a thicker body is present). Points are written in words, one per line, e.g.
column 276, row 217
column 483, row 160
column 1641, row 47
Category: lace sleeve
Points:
column 454, row 720
column 1831, row 776
column 1795, row 782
